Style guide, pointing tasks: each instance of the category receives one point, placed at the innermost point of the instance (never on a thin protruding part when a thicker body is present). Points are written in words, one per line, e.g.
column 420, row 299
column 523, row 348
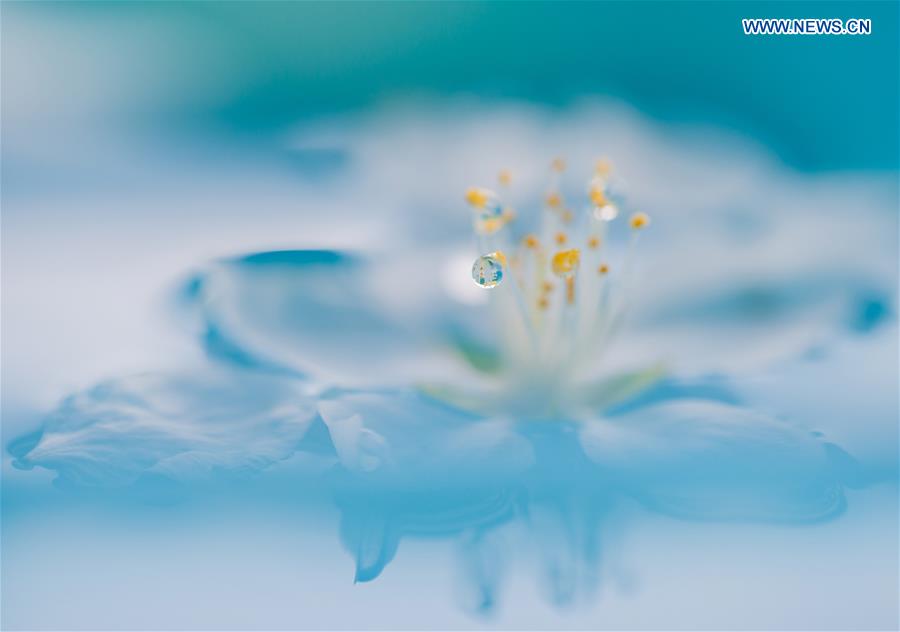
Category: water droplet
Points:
column 487, row 271
column 606, row 213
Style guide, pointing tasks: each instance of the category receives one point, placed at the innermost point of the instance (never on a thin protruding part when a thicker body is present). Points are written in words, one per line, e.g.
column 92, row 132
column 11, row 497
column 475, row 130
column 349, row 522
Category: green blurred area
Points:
column 821, row 102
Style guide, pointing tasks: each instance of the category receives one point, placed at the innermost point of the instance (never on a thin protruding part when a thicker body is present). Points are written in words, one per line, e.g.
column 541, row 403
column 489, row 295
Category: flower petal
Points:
column 320, row 313
column 713, row 461
column 407, row 438
column 177, row 427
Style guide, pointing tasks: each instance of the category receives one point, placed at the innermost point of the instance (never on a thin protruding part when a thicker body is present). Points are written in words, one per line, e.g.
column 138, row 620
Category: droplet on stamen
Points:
column 487, row 271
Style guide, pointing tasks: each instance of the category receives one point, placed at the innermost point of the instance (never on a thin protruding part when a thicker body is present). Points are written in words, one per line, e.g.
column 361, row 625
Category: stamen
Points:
column 554, row 200
column 597, row 196
column 488, row 226
column 485, row 201
column 565, row 262
column 562, row 333
column 639, row 221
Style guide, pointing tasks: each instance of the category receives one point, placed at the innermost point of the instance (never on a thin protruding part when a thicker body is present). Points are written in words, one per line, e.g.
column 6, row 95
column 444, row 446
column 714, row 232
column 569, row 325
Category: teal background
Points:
column 821, row 102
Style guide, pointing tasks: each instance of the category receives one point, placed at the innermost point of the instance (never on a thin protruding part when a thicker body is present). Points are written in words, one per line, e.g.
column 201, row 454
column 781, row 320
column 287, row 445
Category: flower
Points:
column 538, row 406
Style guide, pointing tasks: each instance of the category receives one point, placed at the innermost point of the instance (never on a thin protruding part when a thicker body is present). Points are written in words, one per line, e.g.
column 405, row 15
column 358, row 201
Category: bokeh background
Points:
column 140, row 140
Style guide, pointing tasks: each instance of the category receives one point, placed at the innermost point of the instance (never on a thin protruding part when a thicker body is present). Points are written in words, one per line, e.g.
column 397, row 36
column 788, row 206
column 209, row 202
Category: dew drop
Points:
column 487, row 271
column 606, row 213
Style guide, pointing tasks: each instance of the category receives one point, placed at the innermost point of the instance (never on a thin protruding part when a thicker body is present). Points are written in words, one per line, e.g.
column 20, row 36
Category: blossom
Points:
column 538, row 397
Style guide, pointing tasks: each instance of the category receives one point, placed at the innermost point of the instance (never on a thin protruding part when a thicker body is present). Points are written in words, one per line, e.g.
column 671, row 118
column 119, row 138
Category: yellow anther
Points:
column 477, row 197
column 547, row 287
column 553, row 200
column 504, row 177
column 543, row 303
column 603, row 269
column 561, row 239
column 558, row 165
column 565, row 262
column 639, row 220
column 566, row 216
column 531, row 242
column 488, row 226
column 603, row 167
column 597, row 196
column 593, row 242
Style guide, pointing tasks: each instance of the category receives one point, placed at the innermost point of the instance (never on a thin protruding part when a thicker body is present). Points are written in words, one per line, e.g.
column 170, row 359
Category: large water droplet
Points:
column 487, row 271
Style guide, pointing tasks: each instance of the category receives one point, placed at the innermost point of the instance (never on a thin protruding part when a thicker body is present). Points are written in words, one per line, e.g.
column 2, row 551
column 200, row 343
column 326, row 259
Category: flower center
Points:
column 557, row 297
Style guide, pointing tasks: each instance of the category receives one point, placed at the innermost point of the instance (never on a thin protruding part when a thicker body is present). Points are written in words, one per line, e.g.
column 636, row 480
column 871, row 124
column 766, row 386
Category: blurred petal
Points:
column 848, row 392
column 370, row 535
column 713, row 461
column 558, row 546
column 177, row 427
column 405, row 437
column 322, row 313
column 374, row 520
column 483, row 562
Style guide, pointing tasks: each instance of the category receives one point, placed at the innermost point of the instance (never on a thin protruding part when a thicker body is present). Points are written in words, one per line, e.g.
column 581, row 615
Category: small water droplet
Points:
column 487, row 271
column 606, row 213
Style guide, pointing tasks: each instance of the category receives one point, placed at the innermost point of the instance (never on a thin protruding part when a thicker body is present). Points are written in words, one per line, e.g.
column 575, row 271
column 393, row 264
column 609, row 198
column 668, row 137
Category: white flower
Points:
column 434, row 411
